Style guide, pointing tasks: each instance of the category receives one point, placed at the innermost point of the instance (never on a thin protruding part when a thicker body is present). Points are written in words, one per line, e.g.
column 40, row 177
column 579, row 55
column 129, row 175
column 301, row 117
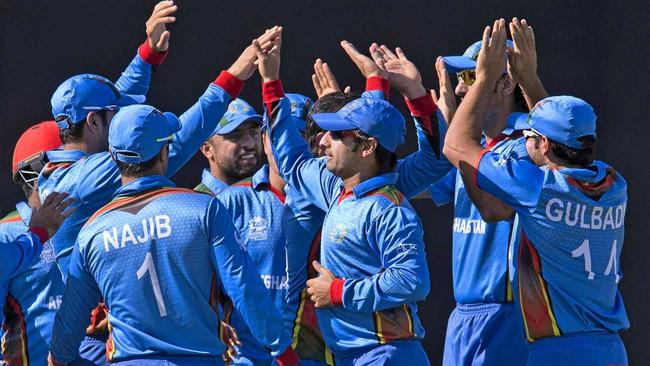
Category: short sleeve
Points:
column 516, row 182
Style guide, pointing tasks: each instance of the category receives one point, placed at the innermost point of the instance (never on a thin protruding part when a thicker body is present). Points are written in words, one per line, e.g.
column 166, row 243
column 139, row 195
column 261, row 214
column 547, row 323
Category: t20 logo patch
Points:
column 258, row 229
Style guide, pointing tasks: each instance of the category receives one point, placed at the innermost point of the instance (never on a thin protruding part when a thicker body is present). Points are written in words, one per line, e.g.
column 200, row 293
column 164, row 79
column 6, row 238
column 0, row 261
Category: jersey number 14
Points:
column 584, row 251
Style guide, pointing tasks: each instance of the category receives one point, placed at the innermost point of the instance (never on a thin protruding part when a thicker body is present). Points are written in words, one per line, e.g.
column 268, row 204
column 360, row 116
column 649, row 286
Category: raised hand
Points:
column 246, row 64
column 522, row 58
column 319, row 288
column 447, row 100
column 268, row 58
column 323, row 79
column 403, row 75
column 491, row 60
column 52, row 212
column 157, row 33
column 366, row 65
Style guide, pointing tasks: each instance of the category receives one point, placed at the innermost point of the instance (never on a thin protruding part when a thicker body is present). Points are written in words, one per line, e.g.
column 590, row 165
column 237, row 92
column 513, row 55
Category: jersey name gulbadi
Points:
column 574, row 214
column 157, row 227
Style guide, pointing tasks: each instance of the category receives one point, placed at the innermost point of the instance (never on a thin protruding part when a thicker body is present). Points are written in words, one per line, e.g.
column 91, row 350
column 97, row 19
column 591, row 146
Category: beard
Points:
column 237, row 168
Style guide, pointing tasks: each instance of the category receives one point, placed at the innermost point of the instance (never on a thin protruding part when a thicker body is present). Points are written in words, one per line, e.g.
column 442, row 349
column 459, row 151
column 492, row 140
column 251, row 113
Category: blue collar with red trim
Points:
column 214, row 184
column 65, row 156
column 143, row 184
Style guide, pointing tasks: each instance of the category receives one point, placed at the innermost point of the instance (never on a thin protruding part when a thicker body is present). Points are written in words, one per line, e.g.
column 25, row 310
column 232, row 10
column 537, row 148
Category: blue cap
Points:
column 138, row 132
column 238, row 112
column 300, row 106
column 80, row 94
column 563, row 119
column 467, row 61
column 375, row 117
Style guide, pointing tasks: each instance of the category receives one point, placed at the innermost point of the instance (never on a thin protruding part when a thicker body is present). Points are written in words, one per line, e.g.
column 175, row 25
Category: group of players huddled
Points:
column 300, row 246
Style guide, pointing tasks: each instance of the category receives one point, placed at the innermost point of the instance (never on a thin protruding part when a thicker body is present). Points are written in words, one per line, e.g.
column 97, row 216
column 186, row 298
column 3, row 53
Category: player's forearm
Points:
column 491, row 208
column 377, row 87
column 20, row 253
column 199, row 122
column 534, row 91
column 136, row 78
column 463, row 140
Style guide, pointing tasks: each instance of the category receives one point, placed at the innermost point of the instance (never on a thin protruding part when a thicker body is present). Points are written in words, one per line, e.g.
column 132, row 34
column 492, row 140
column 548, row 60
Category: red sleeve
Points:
column 272, row 91
column 150, row 56
column 336, row 291
column 288, row 358
column 40, row 232
column 378, row 83
column 422, row 106
column 477, row 163
column 229, row 83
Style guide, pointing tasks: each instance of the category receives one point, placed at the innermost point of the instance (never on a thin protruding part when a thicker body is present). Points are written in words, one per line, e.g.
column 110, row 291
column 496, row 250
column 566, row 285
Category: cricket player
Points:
column 303, row 220
column 371, row 235
column 570, row 219
column 234, row 149
column 32, row 295
column 484, row 327
column 160, row 271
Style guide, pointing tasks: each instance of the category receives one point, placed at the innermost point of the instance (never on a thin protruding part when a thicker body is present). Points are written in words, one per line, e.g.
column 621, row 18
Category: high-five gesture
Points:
column 522, row 62
column 446, row 99
column 268, row 57
column 323, row 79
column 246, row 64
column 402, row 73
column 366, row 65
column 157, row 33
column 491, row 60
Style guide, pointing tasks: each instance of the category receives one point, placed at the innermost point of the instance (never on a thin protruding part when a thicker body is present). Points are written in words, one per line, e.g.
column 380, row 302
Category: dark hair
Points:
column 576, row 157
column 74, row 131
column 329, row 103
column 386, row 160
column 137, row 170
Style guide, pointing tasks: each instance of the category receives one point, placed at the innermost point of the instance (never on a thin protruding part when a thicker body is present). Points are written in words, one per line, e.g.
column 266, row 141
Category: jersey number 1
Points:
column 148, row 266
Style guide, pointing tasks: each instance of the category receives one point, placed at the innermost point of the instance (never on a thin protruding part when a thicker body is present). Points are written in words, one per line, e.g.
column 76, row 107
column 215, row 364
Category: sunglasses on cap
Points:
column 29, row 169
column 467, row 76
column 530, row 133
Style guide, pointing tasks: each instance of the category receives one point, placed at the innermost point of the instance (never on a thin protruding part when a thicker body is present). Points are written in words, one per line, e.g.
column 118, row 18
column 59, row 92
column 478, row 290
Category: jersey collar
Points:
column 373, row 183
column 594, row 173
column 214, row 184
column 143, row 184
column 261, row 177
column 61, row 156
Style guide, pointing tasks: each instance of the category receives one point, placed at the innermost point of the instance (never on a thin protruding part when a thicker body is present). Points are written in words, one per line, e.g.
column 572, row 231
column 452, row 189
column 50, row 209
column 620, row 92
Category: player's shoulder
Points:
column 241, row 188
column 385, row 198
column 11, row 225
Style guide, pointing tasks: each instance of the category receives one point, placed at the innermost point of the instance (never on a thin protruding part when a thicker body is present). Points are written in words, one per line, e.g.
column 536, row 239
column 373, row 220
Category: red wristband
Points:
column 378, row 83
column 336, row 291
column 422, row 106
column 272, row 91
column 288, row 358
column 40, row 232
column 150, row 56
column 229, row 83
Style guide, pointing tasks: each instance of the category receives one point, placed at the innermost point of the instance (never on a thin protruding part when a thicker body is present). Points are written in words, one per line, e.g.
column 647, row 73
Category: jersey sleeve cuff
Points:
column 229, row 83
column 288, row 358
column 477, row 163
column 148, row 55
column 40, row 232
column 272, row 91
column 378, row 83
column 422, row 106
column 336, row 291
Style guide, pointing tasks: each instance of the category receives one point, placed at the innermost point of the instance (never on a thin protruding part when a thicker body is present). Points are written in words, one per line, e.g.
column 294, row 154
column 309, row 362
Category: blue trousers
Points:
column 92, row 352
column 172, row 361
column 593, row 349
column 398, row 353
column 484, row 334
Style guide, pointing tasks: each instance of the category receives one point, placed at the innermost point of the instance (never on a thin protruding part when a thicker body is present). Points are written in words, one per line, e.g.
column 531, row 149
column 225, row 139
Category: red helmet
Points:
column 29, row 154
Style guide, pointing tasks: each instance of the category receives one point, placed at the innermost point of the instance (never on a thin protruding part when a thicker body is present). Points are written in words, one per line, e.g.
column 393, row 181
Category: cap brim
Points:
column 518, row 121
column 130, row 99
column 455, row 64
column 332, row 122
column 230, row 127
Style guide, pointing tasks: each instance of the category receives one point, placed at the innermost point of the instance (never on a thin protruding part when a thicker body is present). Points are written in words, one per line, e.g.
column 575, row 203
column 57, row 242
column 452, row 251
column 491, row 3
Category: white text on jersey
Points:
column 156, row 227
column 587, row 216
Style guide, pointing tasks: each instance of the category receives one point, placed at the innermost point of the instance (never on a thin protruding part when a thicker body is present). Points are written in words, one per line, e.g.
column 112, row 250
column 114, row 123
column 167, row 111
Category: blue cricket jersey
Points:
column 93, row 179
column 31, row 297
column 479, row 248
column 160, row 273
column 210, row 184
column 353, row 325
column 566, row 254
column 256, row 209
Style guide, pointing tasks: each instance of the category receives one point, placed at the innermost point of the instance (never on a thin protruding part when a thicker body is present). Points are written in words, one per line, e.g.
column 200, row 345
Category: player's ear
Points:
column 206, row 150
column 507, row 85
column 369, row 147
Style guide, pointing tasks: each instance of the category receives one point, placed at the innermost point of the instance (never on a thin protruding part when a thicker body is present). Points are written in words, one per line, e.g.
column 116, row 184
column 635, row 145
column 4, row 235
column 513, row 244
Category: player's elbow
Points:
column 421, row 288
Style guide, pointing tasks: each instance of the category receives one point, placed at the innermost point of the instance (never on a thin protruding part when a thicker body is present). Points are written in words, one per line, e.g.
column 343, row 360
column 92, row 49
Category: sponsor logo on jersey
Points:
column 338, row 233
column 47, row 255
column 258, row 229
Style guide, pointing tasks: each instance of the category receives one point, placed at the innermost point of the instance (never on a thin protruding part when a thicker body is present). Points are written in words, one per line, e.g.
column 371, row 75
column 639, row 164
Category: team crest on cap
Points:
column 238, row 108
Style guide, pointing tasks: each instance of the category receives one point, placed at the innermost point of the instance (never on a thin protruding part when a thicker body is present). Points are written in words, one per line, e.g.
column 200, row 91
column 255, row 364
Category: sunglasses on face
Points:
column 467, row 76
column 340, row 135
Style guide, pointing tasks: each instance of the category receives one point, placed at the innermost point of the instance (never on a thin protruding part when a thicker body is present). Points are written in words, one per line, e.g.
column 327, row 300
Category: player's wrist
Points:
column 150, row 56
column 272, row 90
column 336, row 291
column 42, row 234
column 230, row 83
